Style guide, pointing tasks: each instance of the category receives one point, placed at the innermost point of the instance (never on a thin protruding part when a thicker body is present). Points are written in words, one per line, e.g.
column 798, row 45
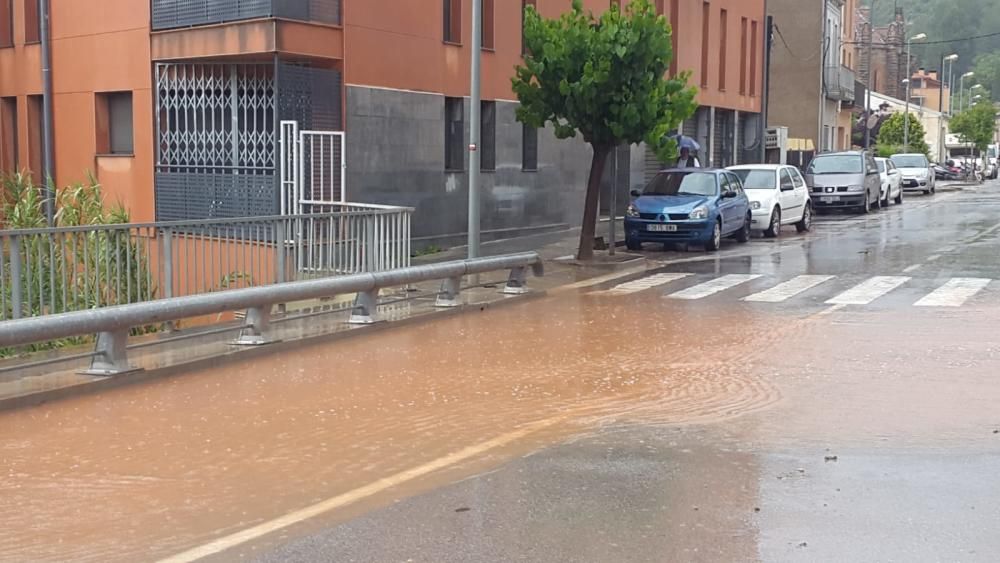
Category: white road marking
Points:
column 913, row 268
column 643, row 284
column 789, row 289
column 954, row 293
column 714, row 286
column 933, row 257
column 868, row 291
column 350, row 497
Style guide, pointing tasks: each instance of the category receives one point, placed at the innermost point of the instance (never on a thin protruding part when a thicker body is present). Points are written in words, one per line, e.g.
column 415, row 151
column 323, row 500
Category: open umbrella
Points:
column 685, row 142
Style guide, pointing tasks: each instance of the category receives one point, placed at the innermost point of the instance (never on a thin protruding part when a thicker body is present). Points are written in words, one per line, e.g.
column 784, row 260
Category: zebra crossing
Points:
column 955, row 292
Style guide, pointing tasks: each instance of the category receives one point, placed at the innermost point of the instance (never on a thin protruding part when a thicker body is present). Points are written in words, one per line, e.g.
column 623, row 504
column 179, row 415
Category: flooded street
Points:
column 751, row 406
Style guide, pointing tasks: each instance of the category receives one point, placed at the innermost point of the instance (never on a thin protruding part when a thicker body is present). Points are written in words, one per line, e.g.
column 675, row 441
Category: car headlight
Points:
column 855, row 188
column 754, row 205
column 631, row 211
column 700, row 212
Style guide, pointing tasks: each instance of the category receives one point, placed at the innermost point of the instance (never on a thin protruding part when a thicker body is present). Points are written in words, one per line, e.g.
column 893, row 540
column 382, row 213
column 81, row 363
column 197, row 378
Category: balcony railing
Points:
column 839, row 82
column 171, row 14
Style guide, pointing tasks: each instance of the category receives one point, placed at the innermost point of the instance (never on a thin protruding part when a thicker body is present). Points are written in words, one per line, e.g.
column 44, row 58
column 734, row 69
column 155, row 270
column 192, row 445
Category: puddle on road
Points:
column 151, row 470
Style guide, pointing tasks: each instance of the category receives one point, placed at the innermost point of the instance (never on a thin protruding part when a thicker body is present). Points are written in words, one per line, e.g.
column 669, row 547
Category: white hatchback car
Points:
column 892, row 182
column 778, row 196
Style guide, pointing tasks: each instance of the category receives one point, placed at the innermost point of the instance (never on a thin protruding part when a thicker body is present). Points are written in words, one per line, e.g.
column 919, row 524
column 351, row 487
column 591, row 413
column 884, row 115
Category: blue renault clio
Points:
column 690, row 206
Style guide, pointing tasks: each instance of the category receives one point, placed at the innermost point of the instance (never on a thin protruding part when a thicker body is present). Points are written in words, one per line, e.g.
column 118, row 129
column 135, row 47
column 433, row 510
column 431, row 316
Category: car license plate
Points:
column 830, row 199
column 662, row 228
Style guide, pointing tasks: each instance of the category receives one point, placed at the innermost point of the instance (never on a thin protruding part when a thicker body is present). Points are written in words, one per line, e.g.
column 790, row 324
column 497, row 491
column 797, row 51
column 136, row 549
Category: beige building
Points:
column 926, row 91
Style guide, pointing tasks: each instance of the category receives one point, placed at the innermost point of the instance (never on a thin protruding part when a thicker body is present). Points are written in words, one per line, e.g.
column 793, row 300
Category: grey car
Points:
column 917, row 173
column 844, row 180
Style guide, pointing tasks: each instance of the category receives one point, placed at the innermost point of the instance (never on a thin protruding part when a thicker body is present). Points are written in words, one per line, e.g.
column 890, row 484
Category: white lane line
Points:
column 712, row 287
column 643, row 284
column 868, row 291
column 913, row 268
column 933, row 257
column 789, row 289
column 954, row 293
column 350, row 497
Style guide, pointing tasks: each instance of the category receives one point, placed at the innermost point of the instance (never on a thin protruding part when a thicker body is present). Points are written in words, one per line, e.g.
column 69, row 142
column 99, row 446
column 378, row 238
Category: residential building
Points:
column 812, row 79
column 927, row 90
column 721, row 43
column 176, row 106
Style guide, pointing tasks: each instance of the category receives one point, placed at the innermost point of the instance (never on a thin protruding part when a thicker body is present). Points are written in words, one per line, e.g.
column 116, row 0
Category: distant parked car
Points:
column 917, row 173
column 945, row 173
column 778, row 196
column 892, row 181
column 844, row 180
column 689, row 205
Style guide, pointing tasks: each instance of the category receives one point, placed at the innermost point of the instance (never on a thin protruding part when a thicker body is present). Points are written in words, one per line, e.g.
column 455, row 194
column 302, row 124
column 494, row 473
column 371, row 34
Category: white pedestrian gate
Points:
column 313, row 171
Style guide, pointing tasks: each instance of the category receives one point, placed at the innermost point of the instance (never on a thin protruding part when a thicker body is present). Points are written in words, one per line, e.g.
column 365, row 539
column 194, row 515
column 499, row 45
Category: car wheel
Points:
column 633, row 244
column 774, row 226
column 805, row 224
column 878, row 201
column 715, row 242
column 899, row 197
column 888, row 194
column 866, row 207
column 743, row 235
column 933, row 190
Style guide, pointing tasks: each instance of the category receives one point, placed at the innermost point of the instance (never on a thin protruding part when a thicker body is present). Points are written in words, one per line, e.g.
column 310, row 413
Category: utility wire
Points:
column 942, row 42
column 790, row 50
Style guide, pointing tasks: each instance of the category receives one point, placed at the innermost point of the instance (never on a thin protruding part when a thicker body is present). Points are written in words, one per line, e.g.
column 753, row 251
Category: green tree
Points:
column 975, row 125
column 603, row 78
column 891, row 137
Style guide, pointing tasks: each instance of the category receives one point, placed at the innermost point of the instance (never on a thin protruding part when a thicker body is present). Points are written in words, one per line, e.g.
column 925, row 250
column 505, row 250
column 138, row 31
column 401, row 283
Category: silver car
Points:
column 917, row 173
column 844, row 180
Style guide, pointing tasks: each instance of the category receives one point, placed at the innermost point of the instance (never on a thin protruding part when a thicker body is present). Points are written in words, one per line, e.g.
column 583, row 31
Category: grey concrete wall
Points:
column 795, row 69
column 395, row 155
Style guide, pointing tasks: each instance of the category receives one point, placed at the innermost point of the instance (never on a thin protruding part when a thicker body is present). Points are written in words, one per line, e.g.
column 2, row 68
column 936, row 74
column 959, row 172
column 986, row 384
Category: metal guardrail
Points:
column 169, row 14
column 49, row 271
column 112, row 324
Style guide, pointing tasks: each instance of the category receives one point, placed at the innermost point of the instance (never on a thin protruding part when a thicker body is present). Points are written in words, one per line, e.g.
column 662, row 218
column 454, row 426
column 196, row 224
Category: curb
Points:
column 33, row 399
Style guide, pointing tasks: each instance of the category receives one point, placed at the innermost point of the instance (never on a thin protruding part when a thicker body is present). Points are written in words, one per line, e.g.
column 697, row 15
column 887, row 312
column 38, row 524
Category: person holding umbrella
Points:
column 687, row 159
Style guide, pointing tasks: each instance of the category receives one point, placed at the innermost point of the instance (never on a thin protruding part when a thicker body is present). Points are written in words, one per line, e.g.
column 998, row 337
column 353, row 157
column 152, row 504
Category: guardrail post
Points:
column 15, row 276
column 167, row 261
column 364, row 308
column 449, row 294
column 255, row 327
column 516, row 282
column 111, row 355
column 281, row 239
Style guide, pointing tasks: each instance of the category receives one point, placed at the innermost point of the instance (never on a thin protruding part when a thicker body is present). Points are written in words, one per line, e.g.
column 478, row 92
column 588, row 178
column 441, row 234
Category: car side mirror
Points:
column 728, row 195
column 787, row 188
column 635, row 193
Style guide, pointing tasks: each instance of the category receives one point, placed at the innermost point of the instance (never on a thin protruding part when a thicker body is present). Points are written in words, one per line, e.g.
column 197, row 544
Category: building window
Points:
column 743, row 56
column 6, row 23
column 489, row 25
column 723, row 47
column 529, row 148
column 35, row 138
column 114, row 123
column 32, row 22
column 706, row 14
column 453, row 21
column 454, row 132
column 488, row 136
column 753, row 58
column 8, row 134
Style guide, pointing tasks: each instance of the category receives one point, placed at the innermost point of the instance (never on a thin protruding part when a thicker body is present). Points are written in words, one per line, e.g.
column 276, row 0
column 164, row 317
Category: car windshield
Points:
column 835, row 164
column 756, row 179
column 909, row 161
column 682, row 183
column 881, row 165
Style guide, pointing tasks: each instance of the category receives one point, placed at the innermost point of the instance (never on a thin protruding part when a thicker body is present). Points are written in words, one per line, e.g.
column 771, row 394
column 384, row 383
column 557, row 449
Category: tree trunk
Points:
column 589, row 227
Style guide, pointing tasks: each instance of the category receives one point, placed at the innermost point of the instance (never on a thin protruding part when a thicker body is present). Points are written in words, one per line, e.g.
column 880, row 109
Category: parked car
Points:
column 844, row 180
column 892, row 181
column 917, row 173
column 778, row 196
column 688, row 205
column 946, row 173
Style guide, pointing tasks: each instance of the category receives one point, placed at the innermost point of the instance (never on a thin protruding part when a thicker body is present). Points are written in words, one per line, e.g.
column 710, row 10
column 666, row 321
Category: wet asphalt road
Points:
column 823, row 397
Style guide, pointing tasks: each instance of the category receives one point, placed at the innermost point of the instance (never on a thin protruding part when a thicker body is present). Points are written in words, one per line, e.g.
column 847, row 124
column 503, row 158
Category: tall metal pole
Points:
column 614, row 206
column 868, row 77
column 475, row 127
column 821, row 135
column 961, row 94
column 48, row 143
column 906, row 120
column 951, row 87
column 941, row 123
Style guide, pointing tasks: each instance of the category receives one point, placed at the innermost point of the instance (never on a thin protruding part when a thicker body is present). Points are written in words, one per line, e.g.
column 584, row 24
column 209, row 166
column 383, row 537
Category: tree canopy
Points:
column 975, row 125
column 604, row 78
column 891, row 137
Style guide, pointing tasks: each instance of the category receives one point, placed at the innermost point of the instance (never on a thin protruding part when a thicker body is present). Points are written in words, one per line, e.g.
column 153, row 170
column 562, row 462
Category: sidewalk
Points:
column 24, row 381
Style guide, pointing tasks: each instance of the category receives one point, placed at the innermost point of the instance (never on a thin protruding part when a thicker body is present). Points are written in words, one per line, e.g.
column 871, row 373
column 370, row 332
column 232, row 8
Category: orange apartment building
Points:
column 175, row 105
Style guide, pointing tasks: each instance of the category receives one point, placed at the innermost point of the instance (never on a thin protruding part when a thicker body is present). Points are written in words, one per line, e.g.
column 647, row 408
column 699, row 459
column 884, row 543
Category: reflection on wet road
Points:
column 816, row 345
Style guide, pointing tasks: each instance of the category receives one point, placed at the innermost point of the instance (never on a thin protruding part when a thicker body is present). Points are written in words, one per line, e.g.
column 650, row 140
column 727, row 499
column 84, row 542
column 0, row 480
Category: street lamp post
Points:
column 475, row 127
column 961, row 90
column 909, row 75
column 951, row 82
